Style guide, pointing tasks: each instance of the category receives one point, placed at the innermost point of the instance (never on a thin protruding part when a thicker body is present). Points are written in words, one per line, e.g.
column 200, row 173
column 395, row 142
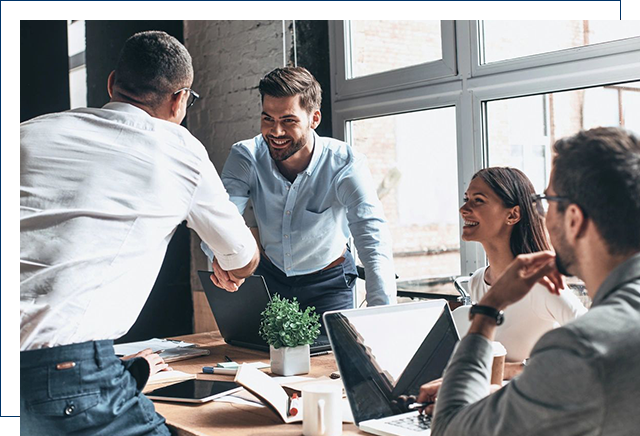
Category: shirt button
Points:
column 288, row 254
column 286, row 236
column 288, row 212
column 288, row 188
column 288, row 268
column 69, row 409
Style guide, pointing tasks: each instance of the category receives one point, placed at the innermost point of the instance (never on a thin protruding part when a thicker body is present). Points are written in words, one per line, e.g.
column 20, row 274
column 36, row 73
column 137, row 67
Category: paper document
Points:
column 155, row 344
column 169, row 376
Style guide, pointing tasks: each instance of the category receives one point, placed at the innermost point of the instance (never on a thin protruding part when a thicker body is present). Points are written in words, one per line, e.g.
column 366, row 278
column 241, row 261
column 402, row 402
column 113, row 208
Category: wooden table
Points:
column 217, row 418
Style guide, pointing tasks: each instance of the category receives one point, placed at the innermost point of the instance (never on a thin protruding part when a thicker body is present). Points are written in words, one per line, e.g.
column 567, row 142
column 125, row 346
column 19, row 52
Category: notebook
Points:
column 238, row 313
column 386, row 351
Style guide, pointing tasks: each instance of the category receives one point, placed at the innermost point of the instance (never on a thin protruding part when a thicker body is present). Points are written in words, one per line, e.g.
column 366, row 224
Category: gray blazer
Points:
column 581, row 379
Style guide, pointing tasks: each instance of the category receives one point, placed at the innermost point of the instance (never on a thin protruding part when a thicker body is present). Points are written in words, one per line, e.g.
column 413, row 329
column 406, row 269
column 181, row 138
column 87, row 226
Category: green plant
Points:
column 285, row 325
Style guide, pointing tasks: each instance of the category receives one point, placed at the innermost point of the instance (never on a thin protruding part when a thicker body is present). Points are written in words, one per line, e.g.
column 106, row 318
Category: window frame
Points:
column 394, row 80
column 468, row 86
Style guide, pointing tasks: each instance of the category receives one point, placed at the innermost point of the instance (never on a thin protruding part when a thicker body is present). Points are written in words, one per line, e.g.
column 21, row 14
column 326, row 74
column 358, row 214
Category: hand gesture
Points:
column 520, row 276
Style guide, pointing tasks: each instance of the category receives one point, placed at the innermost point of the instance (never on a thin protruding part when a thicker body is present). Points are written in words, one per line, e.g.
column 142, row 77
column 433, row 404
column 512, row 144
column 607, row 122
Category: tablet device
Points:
column 194, row 391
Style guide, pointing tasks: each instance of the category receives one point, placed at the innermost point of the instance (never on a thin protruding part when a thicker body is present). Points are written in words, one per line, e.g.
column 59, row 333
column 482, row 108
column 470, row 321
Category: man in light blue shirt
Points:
column 309, row 195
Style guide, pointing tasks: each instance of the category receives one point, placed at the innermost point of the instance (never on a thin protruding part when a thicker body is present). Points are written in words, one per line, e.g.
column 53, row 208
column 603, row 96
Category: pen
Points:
column 319, row 353
column 414, row 406
column 293, row 405
column 228, row 359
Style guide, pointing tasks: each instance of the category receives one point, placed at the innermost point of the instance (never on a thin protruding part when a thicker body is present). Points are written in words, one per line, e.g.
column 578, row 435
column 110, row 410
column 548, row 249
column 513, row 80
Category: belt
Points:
column 333, row 264
column 336, row 262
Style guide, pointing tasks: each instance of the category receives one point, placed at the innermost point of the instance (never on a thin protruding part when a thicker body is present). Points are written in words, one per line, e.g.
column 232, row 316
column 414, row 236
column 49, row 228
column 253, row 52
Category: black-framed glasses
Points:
column 193, row 96
column 542, row 202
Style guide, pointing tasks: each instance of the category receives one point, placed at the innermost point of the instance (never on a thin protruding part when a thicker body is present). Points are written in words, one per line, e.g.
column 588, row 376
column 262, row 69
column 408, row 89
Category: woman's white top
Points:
column 528, row 319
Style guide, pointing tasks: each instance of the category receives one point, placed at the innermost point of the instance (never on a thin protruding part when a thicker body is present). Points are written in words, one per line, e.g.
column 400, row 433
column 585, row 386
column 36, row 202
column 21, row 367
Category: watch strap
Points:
column 489, row 311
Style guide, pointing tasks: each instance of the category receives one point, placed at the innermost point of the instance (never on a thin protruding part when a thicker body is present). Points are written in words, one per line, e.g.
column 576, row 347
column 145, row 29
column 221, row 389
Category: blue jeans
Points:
column 330, row 289
column 84, row 389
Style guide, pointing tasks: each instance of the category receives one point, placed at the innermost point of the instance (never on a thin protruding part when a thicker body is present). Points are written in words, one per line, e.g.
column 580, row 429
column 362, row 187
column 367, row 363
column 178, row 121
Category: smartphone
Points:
column 194, row 391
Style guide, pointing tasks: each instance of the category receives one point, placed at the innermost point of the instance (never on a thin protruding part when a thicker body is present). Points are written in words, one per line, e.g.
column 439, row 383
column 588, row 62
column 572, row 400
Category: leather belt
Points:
column 336, row 262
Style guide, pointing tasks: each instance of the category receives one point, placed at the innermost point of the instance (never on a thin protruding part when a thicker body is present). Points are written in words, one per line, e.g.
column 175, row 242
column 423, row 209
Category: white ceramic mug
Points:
column 321, row 410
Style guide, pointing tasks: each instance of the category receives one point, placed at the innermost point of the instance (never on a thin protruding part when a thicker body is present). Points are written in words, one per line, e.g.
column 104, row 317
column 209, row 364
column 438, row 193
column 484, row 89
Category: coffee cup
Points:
column 497, row 369
column 321, row 410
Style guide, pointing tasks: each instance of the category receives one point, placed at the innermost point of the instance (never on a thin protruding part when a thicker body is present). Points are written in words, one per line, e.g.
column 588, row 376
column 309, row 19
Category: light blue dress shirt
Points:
column 305, row 225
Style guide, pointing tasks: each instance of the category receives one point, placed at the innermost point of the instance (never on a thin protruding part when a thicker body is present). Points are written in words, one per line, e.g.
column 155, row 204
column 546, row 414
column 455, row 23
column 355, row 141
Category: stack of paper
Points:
column 156, row 345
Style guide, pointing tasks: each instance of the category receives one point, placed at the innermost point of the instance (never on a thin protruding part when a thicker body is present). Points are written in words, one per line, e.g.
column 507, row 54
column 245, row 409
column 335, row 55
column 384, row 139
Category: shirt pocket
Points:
column 316, row 224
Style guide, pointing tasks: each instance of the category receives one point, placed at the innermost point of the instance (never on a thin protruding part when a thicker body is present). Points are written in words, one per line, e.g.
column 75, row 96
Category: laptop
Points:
column 238, row 314
column 387, row 351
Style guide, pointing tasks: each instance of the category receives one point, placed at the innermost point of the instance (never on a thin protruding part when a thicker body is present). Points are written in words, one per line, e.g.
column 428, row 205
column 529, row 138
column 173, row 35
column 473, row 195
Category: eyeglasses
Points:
column 542, row 202
column 193, row 96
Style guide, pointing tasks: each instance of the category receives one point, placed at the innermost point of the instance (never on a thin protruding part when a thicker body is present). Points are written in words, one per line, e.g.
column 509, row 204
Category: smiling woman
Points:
column 499, row 213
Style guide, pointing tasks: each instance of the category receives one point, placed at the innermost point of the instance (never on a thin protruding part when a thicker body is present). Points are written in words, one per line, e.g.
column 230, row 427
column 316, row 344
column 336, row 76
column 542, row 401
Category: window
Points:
column 416, row 179
column 521, row 131
column 501, row 94
column 378, row 46
column 77, row 63
column 502, row 40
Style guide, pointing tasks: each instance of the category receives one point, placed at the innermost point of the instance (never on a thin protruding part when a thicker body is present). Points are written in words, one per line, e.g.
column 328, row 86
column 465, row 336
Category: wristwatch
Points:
column 489, row 311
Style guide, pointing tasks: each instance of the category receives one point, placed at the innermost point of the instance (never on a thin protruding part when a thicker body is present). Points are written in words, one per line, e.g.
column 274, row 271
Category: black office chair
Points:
column 459, row 283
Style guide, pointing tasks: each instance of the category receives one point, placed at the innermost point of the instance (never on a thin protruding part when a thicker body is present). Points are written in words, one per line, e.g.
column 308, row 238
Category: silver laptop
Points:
column 387, row 351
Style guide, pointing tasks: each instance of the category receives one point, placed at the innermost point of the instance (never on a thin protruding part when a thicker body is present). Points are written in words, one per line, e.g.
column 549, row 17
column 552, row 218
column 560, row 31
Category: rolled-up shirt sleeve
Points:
column 559, row 392
column 218, row 223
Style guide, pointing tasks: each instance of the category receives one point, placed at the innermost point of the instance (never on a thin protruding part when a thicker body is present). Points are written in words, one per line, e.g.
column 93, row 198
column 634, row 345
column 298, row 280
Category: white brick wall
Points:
column 229, row 58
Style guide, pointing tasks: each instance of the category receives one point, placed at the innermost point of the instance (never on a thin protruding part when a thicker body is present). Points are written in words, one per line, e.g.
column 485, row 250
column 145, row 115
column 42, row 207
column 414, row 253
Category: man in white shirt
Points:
column 101, row 194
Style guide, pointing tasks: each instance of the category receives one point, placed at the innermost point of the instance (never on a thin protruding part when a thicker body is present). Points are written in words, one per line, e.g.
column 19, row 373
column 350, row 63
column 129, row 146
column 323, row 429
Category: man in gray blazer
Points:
column 583, row 378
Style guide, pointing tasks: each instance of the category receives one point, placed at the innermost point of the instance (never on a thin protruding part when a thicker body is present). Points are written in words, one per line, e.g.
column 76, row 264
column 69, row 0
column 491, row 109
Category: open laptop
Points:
column 387, row 351
column 238, row 314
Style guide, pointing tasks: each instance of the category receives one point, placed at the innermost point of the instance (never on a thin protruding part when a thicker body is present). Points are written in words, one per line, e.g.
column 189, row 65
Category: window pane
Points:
column 513, row 39
column 384, row 45
column 416, row 176
column 77, row 69
column 522, row 130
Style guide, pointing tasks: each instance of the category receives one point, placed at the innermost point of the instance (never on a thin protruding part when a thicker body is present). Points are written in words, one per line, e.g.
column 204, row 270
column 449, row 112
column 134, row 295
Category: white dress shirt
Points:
column 101, row 194
column 528, row 319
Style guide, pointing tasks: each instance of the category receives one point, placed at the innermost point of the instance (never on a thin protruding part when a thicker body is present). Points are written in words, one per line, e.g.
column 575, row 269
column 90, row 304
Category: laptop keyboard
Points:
column 415, row 422
column 321, row 341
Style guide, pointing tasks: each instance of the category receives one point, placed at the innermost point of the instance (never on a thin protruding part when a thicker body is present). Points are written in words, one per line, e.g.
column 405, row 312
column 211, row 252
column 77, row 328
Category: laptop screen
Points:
column 386, row 351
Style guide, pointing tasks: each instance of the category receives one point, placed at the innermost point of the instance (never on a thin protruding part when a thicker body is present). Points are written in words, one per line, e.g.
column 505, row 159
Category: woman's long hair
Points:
column 515, row 189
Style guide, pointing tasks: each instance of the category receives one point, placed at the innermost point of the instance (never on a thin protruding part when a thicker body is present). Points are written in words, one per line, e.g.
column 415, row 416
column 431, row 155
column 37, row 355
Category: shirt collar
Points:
column 125, row 107
column 317, row 152
column 623, row 273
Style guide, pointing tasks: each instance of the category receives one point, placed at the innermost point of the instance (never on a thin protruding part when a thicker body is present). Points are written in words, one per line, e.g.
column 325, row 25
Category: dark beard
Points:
column 562, row 268
column 284, row 154
column 565, row 257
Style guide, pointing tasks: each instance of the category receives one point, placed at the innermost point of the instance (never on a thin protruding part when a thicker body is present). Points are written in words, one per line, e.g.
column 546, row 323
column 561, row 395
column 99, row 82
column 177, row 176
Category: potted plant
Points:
column 289, row 331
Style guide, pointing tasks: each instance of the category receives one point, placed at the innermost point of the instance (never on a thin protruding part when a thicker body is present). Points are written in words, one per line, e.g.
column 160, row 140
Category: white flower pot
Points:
column 290, row 360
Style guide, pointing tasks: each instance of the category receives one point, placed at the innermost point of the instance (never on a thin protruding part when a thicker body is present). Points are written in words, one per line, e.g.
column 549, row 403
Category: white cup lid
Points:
column 498, row 349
